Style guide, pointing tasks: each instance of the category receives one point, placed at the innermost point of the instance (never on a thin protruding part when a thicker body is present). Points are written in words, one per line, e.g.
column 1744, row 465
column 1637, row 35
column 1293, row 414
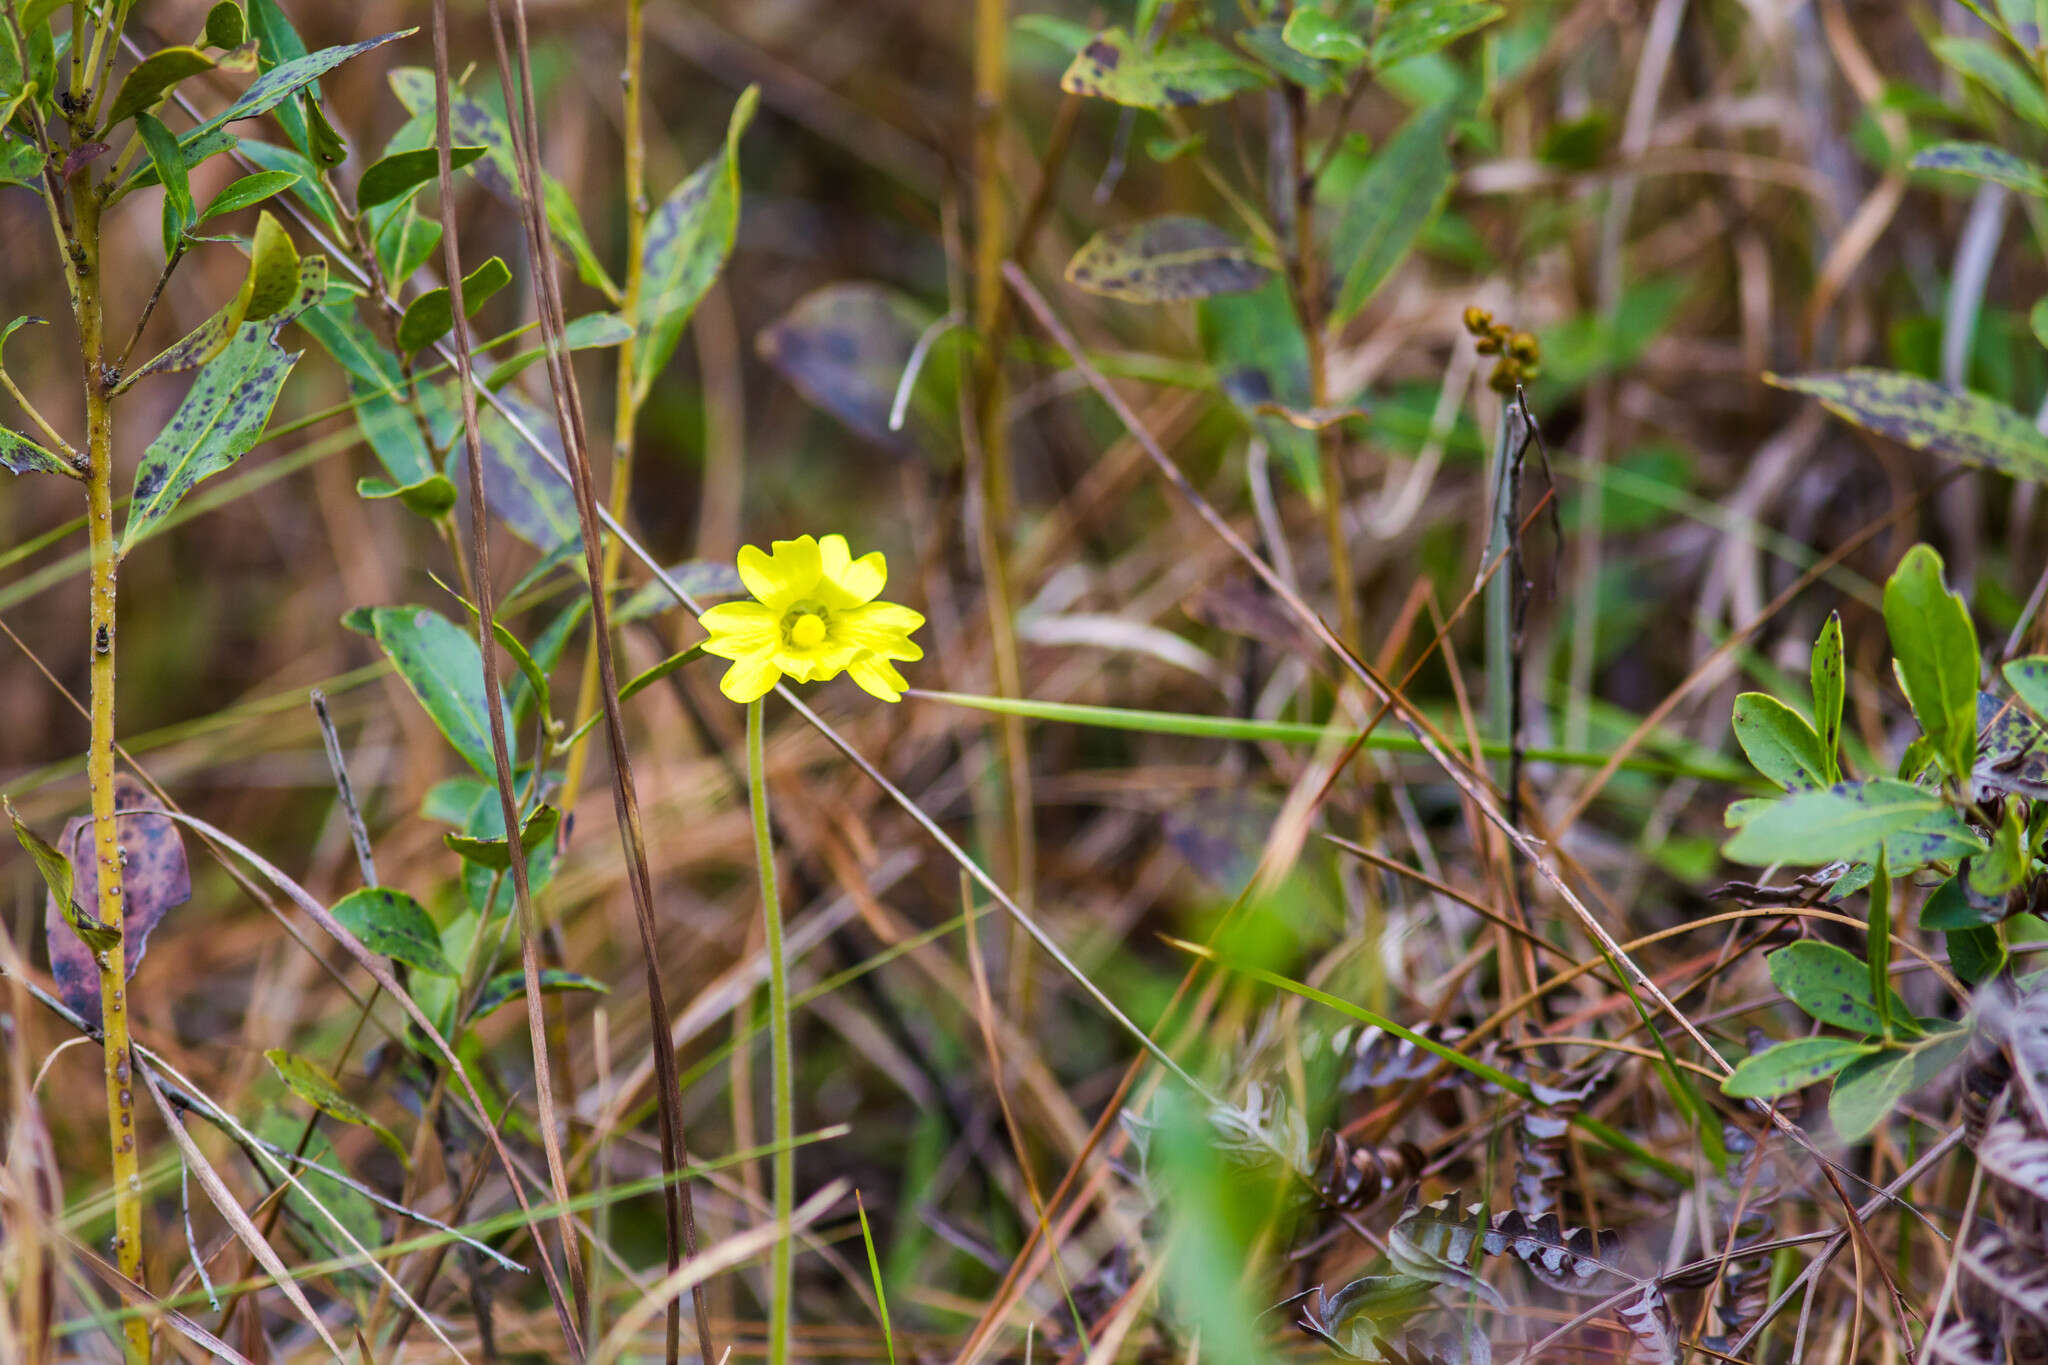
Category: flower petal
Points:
column 816, row 665
column 882, row 627
column 877, row 676
column 833, row 556
column 781, row 578
column 739, row 629
column 849, row 582
column 750, row 679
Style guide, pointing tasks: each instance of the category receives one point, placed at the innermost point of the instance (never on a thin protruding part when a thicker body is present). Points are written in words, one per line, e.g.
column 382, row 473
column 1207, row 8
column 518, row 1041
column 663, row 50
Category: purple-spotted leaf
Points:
column 689, row 236
column 155, row 879
column 1173, row 74
column 391, row 923
column 1982, row 161
column 1831, row 984
column 845, row 348
column 20, row 455
column 1792, row 1066
column 223, row 414
column 1164, row 260
column 474, row 124
column 1921, row 414
column 1851, row 821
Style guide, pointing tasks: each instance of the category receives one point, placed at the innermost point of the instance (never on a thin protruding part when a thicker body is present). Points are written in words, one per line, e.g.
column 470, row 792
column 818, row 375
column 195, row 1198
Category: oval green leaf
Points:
column 391, row 923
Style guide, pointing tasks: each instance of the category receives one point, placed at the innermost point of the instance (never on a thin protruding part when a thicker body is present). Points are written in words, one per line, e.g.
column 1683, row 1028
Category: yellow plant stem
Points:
column 783, row 1083
column 99, row 763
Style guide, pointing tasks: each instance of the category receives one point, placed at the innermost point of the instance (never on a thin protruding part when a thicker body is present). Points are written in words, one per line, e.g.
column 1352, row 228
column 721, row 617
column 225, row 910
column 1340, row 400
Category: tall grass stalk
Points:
column 783, row 1120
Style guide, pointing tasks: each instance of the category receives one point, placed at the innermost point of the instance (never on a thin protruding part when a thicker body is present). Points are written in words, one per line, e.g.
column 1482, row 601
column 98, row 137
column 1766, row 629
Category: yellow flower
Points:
column 814, row 616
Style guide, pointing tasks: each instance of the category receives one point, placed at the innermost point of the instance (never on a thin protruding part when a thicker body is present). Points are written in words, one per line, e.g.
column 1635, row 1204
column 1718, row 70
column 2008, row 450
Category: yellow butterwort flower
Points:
column 814, row 616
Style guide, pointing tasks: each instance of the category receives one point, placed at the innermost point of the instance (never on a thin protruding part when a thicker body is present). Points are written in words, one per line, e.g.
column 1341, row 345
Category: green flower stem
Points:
column 778, row 1046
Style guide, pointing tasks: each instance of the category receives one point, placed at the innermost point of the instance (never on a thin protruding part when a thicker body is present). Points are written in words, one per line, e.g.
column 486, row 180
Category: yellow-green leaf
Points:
column 319, row 1089
column 1916, row 412
column 1161, row 260
column 1175, row 74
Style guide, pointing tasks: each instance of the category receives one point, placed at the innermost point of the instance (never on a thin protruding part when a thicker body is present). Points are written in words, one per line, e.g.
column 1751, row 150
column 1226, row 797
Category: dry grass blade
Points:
column 230, row 1208
column 480, row 575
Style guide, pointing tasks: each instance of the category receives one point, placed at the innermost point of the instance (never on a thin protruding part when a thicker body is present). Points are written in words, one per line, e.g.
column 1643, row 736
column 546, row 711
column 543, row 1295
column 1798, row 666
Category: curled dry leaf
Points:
column 155, row 879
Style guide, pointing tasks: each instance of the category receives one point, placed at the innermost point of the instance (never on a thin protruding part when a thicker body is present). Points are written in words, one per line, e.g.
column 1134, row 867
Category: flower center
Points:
column 807, row 631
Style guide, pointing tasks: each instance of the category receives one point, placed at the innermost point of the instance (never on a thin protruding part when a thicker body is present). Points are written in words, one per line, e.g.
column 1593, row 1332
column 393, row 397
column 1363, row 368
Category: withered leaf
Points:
column 155, row 879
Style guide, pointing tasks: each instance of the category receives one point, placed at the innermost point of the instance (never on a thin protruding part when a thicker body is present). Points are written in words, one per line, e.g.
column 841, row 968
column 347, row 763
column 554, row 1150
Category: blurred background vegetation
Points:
column 1674, row 197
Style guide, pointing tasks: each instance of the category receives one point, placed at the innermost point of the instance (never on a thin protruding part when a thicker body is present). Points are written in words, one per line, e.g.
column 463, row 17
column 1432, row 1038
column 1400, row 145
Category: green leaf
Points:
column 1179, row 72
column 308, row 191
column 1935, row 646
column 440, row 664
column 474, row 125
column 592, row 331
column 1852, row 821
column 287, row 78
column 20, row 164
column 2037, row 318
column 248, row 191
column 401, row 173
column 1400, row 194
column 432, row 497
column 1918, row 413
column 278, row 42
column 506, row 987
column 641, row 682
column 349, row 1206
column 496, row 854
column 1880, row 940
column 1829, row 679
column 1165, row 260
column 1791, row 1066
column 1975, row 955
column 688, row 238
column 1780, row 742
column 55, row 870
column 406, row 242
column 1867, row 1090
column 1424, row 26
column 162, row 145
column 323, row 145
column 1254, row 344
column 1266, row 45
column 392, row 924
column 1982, row 161
column 1831, row 984
column 223, row 414
column 1315, row 34
column 429, row 317
column 226, row 25
column 2005, row 864
column 152, row 78
column 1951, row 908
column 318, row 1089
column 2018, row 88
